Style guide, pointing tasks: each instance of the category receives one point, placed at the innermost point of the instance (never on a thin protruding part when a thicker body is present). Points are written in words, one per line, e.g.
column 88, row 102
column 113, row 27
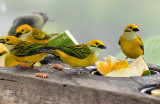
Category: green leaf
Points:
column 146, row 73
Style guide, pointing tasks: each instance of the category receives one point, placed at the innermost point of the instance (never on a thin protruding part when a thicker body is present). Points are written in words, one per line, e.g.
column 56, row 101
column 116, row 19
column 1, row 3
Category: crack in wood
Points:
column 136, row 81
column 7, row 80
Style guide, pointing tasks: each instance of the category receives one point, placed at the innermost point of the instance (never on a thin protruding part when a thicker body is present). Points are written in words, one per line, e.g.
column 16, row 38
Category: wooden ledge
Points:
column 19, row 85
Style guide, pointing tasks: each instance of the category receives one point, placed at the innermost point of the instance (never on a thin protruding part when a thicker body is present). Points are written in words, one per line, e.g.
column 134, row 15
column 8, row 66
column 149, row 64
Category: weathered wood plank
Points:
column 20, row 86
column 30, row 90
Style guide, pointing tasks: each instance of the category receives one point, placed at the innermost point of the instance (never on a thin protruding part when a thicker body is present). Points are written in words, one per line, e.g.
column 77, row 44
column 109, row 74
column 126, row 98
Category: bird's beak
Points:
column 18, row 34
column 135, row 29
column 2, row 41
column 102, row 47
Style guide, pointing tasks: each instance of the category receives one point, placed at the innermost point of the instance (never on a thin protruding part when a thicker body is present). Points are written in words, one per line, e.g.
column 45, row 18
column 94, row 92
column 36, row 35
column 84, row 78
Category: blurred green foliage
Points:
column 88, row 19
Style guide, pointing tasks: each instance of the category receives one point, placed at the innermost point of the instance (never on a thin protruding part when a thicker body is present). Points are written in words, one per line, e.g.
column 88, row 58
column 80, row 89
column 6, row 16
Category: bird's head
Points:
column 131, row 27
column 23, row 29
column 95, row 46
column 9, row 40
column 96, row 43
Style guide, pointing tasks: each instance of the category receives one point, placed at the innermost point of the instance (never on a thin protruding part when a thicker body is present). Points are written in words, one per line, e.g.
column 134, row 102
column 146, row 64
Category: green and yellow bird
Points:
column 81, row 55
column 27, row 33
column 32, row 35
column 130, row 42
column 24, row 51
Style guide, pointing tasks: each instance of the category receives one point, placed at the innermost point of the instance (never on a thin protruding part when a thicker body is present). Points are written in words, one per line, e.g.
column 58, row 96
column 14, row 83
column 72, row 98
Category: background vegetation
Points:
column 93, row 19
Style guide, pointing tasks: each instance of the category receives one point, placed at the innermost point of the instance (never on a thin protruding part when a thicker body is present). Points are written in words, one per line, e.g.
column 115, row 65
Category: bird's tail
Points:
column 54, row 52
column 54, row 34
column 44, row 16
column 50, row 50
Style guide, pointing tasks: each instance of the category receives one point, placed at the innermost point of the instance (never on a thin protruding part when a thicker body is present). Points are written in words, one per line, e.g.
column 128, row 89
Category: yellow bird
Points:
column 77, row 56
column 81, row 55
column 27, row 33
column 33, row 35
column 10, row 61
column 130, row 42
column 35, row 20
column 23, row 51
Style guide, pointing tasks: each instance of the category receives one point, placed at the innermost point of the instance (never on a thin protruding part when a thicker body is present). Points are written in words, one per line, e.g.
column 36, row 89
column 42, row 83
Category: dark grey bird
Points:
column 35, row 20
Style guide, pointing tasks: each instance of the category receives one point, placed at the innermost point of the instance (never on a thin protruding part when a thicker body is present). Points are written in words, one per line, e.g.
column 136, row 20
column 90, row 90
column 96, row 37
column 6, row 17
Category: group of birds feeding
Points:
column 27, row 44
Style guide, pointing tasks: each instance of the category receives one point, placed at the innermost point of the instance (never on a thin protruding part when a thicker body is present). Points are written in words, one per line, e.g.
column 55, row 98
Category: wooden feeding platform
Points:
column 20, row 86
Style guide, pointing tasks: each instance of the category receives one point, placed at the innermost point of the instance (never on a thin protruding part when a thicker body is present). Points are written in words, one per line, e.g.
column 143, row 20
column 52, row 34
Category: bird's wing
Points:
column 37, row 34
column 78, row 51
column 24, row 48
column 119, row 42
column 141, row 43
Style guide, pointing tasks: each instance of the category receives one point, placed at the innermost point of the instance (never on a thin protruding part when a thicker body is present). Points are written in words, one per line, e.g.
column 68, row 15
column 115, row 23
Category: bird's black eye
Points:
column 7, row 39
column 130, row 27
column 22, row 30
column 96, row 43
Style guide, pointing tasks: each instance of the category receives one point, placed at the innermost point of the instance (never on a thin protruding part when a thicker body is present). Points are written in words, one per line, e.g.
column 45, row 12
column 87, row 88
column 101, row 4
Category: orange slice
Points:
column 111, row 59
column 103, row 67
column 155, row 92
column 127, row 72
column 3, row 49
column 120, row 65
column 139, row 62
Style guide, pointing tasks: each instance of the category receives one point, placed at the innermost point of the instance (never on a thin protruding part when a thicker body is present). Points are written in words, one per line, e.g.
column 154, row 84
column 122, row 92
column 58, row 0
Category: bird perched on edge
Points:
column 27, row 33
column 81, row 55
column 23, row 51
column 130, row 42
column 35, row 20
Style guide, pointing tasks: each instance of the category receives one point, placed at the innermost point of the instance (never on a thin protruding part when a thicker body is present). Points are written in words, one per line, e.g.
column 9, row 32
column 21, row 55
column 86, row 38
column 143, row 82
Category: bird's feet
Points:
column 82, row 70
column 126, row 58
column 22, row 65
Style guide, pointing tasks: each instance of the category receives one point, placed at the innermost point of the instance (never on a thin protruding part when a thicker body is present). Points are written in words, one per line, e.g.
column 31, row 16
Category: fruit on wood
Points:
column 139, row 62
column 127, row 72
column 120, row 65
column 103, row 67
column 155, row 92
column 110, row 64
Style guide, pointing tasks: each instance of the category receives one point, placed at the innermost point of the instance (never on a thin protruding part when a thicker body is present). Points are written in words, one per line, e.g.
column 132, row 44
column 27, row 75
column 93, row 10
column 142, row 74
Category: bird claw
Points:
column 82, row 70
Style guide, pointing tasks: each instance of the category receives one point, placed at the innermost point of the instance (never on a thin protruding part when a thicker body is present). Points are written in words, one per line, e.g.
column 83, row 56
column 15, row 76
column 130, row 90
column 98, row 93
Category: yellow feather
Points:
column 12, row 60
column 131, row 49
column 26, row 36
column 76, row 62
column 33, row 40
column 31, row 59
column 29, row 34
column 94, row 48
